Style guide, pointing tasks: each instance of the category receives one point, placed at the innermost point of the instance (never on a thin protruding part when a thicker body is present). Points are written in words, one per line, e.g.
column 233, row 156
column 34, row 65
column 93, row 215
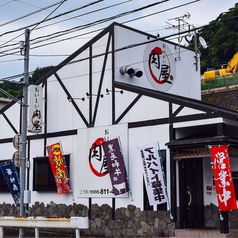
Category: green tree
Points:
column 39, row 73
column 16, row 89
column 222, row 39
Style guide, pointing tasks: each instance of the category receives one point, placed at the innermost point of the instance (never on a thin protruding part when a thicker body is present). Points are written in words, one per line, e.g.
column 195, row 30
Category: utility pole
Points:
column 25, row 50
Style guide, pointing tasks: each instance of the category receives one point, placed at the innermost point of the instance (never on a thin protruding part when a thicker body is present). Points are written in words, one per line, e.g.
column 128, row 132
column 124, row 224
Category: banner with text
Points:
column 92, row 168
column 153, row 174
column 10, row 174
column 58, row 168
column 116, row 166
column 223, row 178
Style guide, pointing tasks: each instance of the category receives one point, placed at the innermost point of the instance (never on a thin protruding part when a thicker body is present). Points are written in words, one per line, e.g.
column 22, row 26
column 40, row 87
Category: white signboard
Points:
column 163, row 65
column 35, row 109
column 93, row 177
column 159, row 65
column 153, row 174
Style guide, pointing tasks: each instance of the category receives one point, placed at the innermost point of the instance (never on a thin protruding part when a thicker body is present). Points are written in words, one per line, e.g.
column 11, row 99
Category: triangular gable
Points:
column 95, row 80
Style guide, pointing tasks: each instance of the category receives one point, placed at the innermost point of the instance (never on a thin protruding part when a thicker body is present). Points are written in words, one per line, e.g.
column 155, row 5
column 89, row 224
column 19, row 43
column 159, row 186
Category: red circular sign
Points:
column 159, row 66
column 97, row 161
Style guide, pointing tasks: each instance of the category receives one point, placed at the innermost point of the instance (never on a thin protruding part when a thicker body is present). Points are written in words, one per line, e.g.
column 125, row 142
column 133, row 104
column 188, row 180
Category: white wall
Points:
column 186, row 80
column 62, row 116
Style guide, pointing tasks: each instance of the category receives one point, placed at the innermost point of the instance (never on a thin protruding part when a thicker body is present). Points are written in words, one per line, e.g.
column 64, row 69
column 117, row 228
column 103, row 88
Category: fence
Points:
column 220, row 82
column 76, row 223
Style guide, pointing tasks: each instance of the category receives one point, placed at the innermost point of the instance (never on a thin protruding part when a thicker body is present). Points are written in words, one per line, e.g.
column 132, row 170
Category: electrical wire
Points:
column 6, row 3
column 39, row 22
column 73, row 29
column 165, row 10
column 98, row 22
column 135, row 45
column 83, row 14
column 62, row 14
column 6, row 61
column 87, row 25
column 29, row 14
column 62, row 33
column 88, row 32
column 49, row 15
column 14, row 76
column 3, row 52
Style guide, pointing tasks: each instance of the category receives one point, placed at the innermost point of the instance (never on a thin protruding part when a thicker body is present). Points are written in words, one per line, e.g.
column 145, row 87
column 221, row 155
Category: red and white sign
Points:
column 223, row 178
column 58, row 168
column 93, row 174
column 97, row 161
column 159, row 65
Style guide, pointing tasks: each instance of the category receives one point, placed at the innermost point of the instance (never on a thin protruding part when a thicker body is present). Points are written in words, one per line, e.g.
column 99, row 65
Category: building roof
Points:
column 205, row 110
column 226, row 98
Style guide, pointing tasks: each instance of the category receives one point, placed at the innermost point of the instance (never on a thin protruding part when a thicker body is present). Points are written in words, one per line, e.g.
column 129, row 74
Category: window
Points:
column 43, row 179
column 3, row 184
column 163, row 206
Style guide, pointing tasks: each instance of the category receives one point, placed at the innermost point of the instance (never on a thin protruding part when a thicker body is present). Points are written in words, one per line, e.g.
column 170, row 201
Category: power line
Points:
column 148, row 15
column 28, row 4
column 39, row 22
column 135, row 45
column 62, row 14
column 83, row 14
column 73, row 29
column 84, row 26
column 165, row 10
column 6, row 3
column 49, row 14
column 57, row 34
column 3, row 52
column 6, row 61
column 29, row 14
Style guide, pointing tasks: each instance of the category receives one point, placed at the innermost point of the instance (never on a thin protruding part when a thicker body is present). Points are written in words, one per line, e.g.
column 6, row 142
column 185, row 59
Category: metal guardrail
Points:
column 76, row 223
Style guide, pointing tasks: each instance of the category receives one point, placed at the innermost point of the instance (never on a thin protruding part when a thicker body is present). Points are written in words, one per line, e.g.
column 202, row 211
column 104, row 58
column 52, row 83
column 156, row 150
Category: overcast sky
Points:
column 16, row 15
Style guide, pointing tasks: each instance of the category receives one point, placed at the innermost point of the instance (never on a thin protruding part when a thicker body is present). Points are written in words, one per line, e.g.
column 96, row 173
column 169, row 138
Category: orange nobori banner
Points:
column 223, row 178
column 58, row 167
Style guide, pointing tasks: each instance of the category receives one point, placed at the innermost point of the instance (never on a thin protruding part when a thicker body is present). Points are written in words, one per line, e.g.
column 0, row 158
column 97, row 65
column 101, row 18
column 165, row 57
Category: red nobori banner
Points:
column 58, row 168
column 223, row 178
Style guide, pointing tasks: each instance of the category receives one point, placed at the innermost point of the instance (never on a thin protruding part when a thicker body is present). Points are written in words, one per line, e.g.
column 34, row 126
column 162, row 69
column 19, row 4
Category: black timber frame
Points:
column 207, row 110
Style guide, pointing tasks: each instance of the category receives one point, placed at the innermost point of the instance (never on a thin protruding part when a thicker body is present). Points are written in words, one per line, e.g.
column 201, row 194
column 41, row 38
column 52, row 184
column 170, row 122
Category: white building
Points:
column 88, row 96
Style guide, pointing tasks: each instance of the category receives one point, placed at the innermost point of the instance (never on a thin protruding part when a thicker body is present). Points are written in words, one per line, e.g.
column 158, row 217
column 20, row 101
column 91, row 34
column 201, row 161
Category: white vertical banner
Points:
column 35, row 97
column 153, row 174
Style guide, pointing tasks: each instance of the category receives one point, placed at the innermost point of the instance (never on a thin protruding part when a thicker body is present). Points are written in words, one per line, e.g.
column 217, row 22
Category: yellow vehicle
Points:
column 227, row 69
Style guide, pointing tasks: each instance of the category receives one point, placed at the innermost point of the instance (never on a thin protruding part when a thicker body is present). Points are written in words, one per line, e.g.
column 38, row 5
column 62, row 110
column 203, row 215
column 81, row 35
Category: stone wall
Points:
column 104, row 222
column 130, row 221
column 212, row 217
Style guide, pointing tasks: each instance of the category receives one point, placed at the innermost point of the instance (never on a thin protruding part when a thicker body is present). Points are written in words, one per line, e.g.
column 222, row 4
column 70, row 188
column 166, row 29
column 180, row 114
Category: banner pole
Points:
column 71, row 192
column 127, row 178
column 165, row 181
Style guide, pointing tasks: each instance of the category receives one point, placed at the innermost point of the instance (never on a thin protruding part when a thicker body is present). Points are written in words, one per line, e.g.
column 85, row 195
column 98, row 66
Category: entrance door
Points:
column 191, row 193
